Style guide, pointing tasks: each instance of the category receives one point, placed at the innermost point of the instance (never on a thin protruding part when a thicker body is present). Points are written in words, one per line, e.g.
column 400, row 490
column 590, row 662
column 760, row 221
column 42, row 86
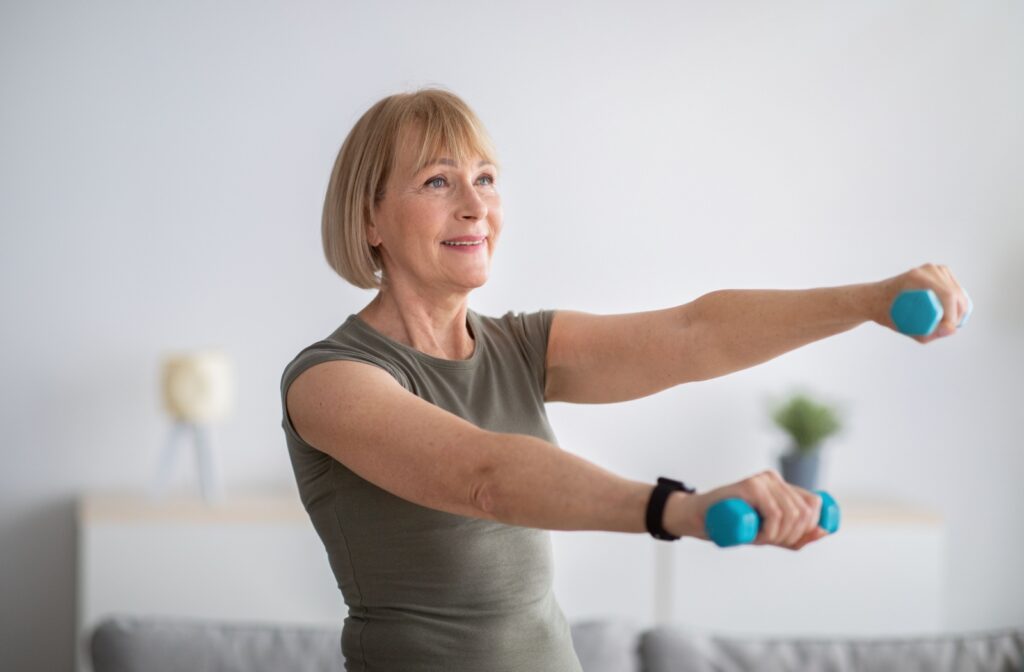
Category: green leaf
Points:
column 808, row 422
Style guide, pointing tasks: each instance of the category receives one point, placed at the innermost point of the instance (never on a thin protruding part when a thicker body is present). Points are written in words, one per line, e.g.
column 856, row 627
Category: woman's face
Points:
column 422, row 215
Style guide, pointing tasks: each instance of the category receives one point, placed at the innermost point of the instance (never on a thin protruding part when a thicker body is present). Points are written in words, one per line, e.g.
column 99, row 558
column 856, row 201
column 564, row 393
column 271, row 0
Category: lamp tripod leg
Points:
column 166, row 464
column 209, row 479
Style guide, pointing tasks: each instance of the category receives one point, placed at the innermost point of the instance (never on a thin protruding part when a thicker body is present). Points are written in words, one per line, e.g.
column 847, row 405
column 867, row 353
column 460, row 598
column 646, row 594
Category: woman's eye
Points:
column 439, row 181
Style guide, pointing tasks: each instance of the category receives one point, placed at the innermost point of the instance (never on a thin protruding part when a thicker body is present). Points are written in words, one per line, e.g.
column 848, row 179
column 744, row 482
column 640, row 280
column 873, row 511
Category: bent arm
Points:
column 610, row 358
column 359, row 415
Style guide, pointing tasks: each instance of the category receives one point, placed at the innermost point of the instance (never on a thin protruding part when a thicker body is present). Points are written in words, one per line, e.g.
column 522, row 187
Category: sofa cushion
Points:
column 151, row 644
column 608, row 645
column 678, row 649
column 162, row 644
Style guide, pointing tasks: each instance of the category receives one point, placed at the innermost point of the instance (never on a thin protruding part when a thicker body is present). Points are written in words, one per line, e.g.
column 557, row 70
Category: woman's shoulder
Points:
column 520, row 336
column 532, row 325
column 347, row 342
column 512, row 319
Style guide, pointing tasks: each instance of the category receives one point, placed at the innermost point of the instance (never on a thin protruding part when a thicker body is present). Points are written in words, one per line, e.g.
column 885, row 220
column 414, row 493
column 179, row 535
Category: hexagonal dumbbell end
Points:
column 732, row 522
column 916, row 312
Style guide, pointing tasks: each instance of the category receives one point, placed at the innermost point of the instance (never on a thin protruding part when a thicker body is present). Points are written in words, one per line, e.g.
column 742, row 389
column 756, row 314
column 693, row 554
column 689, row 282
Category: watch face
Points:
column 197, row 387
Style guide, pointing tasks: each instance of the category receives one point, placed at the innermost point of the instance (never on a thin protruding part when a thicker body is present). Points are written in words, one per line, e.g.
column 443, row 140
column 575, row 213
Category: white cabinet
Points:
column 259, row 559
column 246, row 559
column 881, row 574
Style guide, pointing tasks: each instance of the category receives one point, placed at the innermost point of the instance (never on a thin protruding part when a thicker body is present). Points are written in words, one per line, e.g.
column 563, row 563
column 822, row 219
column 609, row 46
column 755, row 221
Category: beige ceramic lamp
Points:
column 197, row 391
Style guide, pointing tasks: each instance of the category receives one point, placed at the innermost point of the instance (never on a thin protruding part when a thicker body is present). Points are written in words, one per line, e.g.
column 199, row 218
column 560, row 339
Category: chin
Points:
column 475, row 277
column 474, row 281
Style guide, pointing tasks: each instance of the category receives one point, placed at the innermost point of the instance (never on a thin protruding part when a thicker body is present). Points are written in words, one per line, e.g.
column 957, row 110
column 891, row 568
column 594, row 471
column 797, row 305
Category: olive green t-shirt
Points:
column 427, row 589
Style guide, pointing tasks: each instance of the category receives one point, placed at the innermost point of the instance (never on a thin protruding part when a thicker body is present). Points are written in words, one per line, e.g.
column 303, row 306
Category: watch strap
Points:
column 656, row 506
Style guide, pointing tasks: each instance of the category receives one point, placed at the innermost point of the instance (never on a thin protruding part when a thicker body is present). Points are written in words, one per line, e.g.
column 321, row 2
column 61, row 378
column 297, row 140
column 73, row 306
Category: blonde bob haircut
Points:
column 447, row 127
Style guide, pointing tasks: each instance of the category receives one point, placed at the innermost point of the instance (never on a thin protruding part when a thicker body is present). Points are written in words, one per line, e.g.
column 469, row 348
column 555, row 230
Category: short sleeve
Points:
column 314, row 355
column 531, row 330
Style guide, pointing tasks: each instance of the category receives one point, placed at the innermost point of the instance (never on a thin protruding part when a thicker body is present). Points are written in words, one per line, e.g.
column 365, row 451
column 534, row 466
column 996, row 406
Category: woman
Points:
column 417, row 429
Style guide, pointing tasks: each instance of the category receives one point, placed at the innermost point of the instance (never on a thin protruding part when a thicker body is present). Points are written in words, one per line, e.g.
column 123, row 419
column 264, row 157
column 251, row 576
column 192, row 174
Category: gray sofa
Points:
column 152, row 644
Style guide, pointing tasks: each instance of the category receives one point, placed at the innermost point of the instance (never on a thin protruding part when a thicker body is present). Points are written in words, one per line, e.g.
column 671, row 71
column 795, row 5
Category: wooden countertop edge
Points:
column 138, row 507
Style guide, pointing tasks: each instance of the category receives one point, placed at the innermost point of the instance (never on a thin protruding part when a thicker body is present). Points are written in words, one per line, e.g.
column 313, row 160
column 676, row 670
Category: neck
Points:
column 434, row 325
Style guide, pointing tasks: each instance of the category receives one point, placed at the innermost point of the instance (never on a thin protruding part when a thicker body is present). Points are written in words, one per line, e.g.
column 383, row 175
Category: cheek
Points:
column 416, row 226
column 496, row 218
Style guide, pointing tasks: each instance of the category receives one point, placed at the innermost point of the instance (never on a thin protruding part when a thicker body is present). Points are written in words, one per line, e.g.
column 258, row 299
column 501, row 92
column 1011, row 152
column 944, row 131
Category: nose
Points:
column 472, row 206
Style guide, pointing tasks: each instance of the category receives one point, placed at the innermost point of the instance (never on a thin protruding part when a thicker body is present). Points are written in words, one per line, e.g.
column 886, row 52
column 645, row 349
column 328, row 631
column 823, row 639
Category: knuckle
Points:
column 804, row 523
column 758, row 484
column 812, row 500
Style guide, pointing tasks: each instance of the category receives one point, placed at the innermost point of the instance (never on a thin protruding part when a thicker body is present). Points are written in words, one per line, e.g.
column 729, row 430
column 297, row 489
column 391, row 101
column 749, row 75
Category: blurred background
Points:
column 162, row 174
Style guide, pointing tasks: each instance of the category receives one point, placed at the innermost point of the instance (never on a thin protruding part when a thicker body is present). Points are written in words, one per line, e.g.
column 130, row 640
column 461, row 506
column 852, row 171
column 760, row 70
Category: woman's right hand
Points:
column 789, row 514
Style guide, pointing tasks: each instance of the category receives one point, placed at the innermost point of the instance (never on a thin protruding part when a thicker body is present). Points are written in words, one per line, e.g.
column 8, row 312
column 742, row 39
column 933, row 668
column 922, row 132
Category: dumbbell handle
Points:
column 733, row 521
column 916, row 312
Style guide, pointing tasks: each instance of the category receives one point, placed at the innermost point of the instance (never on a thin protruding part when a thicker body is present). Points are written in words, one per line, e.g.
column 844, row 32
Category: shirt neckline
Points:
column 472, row 321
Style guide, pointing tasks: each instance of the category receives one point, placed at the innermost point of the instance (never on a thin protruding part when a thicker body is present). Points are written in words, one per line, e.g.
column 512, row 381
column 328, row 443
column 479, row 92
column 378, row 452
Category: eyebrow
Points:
column 450, row 162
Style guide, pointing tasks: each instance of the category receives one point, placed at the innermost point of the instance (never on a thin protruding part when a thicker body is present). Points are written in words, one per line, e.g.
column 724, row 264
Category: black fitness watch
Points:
column 656, row 506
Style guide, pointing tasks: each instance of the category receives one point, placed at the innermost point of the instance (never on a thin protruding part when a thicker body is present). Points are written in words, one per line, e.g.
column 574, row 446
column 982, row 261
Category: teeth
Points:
column 479, row 242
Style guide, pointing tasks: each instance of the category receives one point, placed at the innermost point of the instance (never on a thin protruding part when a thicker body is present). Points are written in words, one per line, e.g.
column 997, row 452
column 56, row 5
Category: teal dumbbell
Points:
column 732, row 522
column 916, row 312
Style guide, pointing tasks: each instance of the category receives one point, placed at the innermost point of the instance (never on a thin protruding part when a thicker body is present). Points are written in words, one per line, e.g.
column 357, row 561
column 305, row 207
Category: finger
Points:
column 787, row 510
column 814, row 504
column 812, row 536
column 805, row 521
column 949, row 294
column 770, row 522
column 791, row 509
column 963, row 301
column 816, row 534
column 769, row 508
column 796, row 513
column 807, row 538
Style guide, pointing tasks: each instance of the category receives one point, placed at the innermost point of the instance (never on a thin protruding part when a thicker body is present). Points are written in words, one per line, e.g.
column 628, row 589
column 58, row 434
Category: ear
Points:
column 372, row 234
column 372, row 237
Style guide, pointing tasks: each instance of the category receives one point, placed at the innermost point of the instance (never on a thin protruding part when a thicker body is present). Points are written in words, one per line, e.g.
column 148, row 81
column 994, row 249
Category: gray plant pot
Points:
column 801, row 469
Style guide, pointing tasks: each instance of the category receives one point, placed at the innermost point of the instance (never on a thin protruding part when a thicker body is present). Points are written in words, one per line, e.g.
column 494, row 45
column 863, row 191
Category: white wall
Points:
column 163, row 165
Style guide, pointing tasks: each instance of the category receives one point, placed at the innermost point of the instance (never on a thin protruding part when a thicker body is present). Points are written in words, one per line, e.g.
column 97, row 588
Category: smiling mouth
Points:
column 464, row 244
column 466, row 241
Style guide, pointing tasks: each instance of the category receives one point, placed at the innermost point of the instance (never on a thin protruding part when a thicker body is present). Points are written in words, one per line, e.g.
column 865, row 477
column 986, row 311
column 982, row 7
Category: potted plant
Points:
column 808, row 424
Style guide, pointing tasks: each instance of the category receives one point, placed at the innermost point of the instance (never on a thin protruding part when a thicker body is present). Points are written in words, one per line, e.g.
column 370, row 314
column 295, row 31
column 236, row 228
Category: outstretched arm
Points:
column 359, row 415
column 608, row 358
column 745, row 327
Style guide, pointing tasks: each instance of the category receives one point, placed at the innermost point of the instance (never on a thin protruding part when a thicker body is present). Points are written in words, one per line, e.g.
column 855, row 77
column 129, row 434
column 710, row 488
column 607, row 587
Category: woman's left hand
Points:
column 936, row 277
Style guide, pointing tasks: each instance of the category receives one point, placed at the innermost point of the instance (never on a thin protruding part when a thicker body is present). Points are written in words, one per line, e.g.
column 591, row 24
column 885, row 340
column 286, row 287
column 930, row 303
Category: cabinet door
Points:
column 869, row 579
column 880, row 574
column 259, row 562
